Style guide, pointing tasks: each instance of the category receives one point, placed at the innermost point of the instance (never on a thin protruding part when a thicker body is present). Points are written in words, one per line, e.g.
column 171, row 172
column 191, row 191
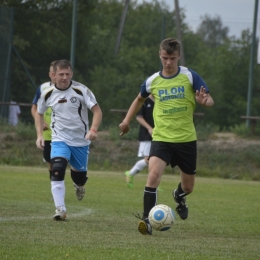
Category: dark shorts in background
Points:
column 47, row 151
column 183, row 155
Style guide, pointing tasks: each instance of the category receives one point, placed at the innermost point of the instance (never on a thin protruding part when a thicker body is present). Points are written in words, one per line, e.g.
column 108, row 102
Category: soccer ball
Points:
column 161, row 217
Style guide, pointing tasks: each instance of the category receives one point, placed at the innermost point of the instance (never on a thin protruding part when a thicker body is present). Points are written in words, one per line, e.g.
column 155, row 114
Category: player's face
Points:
column 169, row 62
column 51, row 74
column 63, row 77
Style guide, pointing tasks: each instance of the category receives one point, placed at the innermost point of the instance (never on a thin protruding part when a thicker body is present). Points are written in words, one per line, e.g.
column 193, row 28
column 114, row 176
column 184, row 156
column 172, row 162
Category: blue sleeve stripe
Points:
column 37, row 96
column 146, row 86
column 198, row 81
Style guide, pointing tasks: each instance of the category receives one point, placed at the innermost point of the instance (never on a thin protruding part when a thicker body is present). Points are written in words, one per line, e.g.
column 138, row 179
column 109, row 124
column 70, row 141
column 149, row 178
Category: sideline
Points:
column 173, row 177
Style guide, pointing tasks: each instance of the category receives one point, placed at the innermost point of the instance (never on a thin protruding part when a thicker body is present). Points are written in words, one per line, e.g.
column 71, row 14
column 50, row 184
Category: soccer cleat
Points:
column 182, row 208
column 79, row 191
column 144, row 227
column 129, row 179
column 60, row 214
column 159, row 188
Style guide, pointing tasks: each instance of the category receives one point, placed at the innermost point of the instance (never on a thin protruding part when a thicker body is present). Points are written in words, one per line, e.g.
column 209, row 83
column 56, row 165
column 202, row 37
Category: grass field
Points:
column 223, row 222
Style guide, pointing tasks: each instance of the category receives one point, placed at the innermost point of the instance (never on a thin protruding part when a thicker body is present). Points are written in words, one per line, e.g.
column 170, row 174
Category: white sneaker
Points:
column 79, row 191
column 60, row 214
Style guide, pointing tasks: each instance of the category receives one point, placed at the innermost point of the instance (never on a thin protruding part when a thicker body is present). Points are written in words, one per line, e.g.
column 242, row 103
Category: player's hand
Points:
column 91, row 135
column 40, row 143
column 150, row 131
column 202, row 96
column 124, row 128
column 45, row 126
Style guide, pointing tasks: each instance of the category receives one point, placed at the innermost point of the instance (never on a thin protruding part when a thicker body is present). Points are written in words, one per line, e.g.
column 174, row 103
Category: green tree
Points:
column 40, row 36
column 42, row 33
column 212, row 31
column 226, row 70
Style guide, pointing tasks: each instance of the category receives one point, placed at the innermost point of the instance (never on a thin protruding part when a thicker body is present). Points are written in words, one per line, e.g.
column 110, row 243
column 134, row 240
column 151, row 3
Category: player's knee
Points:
column 59, row 165
column 79, row 178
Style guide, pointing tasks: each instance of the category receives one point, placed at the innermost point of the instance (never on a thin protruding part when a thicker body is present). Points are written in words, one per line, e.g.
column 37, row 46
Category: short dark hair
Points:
column 170, row 45
column 62, row 64
column 52, row 63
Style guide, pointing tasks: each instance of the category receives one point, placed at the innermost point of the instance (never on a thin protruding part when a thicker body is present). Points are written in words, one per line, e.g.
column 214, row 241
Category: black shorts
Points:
column 183, row 155
column 47, row 151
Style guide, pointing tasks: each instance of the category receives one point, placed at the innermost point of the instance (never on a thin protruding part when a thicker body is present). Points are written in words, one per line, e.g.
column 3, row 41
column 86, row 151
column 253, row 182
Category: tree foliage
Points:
column 42, row 33
column 212, row 31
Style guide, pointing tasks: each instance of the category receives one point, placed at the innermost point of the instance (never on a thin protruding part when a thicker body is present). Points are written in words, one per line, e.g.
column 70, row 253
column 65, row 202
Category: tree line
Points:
column 42, row 33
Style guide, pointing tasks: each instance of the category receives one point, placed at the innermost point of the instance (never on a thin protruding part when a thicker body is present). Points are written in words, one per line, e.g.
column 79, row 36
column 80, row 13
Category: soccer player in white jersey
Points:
column 175, row 90
column 71, row 134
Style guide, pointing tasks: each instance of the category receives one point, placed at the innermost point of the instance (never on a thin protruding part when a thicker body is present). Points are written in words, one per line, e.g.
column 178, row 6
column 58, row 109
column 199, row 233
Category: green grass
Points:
column 223, row 222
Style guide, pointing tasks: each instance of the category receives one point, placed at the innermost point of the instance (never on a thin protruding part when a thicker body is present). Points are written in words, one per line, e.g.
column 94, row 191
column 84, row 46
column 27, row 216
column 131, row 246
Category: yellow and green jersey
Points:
column 174, row 104
column 47, row 119
column 47, row 115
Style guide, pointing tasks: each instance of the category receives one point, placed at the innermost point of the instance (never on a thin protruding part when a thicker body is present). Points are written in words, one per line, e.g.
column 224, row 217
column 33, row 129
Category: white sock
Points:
column 58, row 193
column 140, row 165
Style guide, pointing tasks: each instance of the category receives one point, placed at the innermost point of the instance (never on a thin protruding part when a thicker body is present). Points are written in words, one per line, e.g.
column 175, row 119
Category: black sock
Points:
column 150, row 197
column 50, row 171
column 180, row 193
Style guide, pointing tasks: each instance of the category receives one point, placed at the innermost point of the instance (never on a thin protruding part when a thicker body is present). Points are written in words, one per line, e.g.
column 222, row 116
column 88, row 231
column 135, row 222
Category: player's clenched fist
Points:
column 124, row 128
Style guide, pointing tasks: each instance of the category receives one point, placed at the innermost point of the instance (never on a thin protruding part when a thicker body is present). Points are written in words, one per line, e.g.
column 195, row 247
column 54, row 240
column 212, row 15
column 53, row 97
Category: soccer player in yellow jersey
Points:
column 176, row 90
column 47, row 118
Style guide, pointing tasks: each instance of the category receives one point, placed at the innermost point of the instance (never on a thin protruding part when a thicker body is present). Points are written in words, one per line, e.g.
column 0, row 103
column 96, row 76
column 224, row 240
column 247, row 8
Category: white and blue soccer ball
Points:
column 161, row 217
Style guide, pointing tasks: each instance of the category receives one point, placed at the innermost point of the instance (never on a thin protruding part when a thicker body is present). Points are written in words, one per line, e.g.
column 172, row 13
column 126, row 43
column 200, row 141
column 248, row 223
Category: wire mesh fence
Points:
column 6, row 35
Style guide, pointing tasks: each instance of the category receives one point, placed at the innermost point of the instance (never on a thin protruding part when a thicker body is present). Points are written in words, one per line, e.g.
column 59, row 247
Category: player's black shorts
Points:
column 47, row 151
column 183, row 155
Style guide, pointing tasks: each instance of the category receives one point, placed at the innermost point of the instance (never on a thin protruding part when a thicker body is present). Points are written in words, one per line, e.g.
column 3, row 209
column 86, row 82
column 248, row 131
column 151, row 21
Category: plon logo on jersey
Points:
column 73, row 100
column 173, row 93
column 62, row 100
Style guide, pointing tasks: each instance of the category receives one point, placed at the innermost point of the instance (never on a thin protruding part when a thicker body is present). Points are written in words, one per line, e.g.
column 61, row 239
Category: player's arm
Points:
column 143, row 122
column 33, row 110
column 202, row 92
column 35, row 100
column 134, row 108
column 39, row 122
column 96, row 121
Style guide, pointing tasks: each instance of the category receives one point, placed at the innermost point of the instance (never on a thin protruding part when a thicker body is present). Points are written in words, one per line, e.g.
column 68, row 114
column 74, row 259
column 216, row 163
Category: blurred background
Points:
column 237, row 15
column 114, row 45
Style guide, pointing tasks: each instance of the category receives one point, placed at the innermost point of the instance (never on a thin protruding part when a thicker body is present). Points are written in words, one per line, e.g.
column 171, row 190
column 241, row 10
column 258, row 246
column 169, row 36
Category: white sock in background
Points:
column 140, row 165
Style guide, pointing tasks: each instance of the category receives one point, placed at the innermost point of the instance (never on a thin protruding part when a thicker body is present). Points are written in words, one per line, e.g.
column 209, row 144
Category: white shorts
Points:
column 144, row 149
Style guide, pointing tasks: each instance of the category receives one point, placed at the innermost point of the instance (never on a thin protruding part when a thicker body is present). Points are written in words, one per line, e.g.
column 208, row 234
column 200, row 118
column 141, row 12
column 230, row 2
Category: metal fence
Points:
column 6, row 35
